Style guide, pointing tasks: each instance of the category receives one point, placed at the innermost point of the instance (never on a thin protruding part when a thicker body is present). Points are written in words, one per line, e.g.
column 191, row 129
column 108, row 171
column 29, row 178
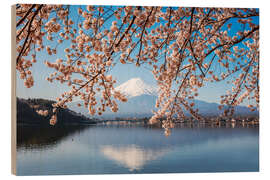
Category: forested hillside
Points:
column 27, row 113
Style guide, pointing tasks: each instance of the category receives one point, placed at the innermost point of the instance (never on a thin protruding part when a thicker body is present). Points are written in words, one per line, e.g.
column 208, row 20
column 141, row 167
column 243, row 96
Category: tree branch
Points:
column 26, row 15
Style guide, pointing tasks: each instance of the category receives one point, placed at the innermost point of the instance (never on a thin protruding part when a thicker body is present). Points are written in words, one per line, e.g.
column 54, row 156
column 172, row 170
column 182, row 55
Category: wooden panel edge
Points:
column 13, row 91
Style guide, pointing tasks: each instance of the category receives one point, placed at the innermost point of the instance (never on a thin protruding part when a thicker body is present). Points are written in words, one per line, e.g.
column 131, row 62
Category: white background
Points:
column 5, row 86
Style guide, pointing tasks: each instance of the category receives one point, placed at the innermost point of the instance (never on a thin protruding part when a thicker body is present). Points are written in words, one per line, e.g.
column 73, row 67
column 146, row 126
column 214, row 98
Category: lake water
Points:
column 135, row 149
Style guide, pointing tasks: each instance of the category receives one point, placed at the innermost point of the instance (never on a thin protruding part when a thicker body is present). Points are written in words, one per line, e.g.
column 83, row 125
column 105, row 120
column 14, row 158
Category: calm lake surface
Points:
column 135, row 149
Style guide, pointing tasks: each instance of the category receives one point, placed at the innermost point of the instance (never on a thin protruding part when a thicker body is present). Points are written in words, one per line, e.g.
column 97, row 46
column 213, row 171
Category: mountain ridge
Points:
column 27, row 113
column 142, row 98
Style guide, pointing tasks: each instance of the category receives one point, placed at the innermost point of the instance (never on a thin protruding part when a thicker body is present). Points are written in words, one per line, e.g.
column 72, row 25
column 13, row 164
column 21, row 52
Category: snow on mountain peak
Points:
column 136, row 87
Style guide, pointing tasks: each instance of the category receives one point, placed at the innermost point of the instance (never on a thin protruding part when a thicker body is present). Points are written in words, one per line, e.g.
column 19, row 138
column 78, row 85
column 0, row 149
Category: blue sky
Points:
column 43, row 89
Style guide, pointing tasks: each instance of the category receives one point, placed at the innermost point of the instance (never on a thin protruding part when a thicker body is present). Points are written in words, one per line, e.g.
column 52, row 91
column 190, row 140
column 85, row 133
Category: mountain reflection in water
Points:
column 135, row 149
column 133, row 157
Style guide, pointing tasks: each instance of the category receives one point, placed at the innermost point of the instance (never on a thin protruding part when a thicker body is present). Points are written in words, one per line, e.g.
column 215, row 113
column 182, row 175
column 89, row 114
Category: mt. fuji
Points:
column 141, row 101
column 137, row 87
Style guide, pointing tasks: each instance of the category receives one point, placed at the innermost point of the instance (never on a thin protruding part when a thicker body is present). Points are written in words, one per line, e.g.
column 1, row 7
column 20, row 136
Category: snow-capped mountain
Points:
column 142, row 98
column 137, row 87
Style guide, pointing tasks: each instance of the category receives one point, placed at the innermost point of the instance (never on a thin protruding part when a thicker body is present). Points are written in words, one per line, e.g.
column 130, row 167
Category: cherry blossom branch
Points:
column 197, row 61
column 143, row 29
column 26, row 15
column 242, row 80
column 29, row 31
column 234, row 42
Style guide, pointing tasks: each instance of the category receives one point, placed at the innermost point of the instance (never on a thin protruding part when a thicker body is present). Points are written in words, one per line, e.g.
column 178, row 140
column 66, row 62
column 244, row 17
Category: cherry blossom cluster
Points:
column 34, row 22
column 42, row 112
